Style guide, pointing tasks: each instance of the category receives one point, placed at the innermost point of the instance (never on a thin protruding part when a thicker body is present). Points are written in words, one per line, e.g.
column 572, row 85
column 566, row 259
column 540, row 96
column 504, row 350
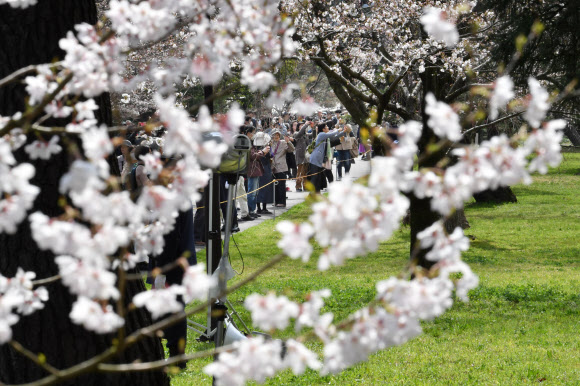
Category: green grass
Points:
column 520, row 326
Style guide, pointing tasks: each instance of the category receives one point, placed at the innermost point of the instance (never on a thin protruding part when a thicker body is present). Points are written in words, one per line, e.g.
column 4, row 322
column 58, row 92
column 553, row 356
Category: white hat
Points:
column 261, row 139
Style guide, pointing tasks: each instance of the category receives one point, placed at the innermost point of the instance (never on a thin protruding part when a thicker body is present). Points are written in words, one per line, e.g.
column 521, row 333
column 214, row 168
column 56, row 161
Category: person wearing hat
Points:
column 266, row 192
column 255, row 171
column 278, row 150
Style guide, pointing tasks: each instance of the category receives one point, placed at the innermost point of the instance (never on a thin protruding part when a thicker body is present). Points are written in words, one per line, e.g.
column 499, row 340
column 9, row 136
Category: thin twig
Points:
column 155, row 365
column 47, row 280
column 475, row 128
column 33, row 357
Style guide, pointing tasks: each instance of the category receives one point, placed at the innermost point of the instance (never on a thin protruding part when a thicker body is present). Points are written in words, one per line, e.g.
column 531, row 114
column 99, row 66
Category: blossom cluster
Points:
column 17, row 194
column 17, row 297
column 257, row 359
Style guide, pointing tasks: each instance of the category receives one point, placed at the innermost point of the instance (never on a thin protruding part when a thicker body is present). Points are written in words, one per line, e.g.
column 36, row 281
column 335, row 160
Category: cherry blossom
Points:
column 503, row 92
column 305, row 106
column 37, row 87
column 87, row 280
column 153, row 164
column 196, row 283
column 252, row 359
column 372, row 331
column 18, row 297
column 19, row 3
column 538, row 105
column 295, row 239
column 442, row 119
column 421, row 298
column 271, row 312
column 545, row 144
column 438, row 27
column 309, row 315
column 94, row 316
column 299, row 358
column 159, row 301
column 43, row 149
column 250, row 39
column 83, row 175
column 85, row 110
column 443, row 246
column 96, row 143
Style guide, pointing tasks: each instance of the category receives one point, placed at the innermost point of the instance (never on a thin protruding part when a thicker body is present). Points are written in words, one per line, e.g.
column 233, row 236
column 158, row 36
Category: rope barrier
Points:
column 283, row 179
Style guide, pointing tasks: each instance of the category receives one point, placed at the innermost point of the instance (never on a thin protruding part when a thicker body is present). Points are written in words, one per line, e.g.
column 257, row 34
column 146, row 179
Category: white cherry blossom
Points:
column 435, row 24
column 442, row 119
column 503, row 92
column 196, row 283
column 43, row 149
column 271, row 312
column 94, row 316
column 295, row 239
column 85, row 110
column 159, row 301
column 538, row 105
column 96, row 143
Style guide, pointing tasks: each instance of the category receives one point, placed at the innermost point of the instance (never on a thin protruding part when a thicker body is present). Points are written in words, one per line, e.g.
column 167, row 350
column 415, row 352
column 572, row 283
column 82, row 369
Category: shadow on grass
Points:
column 486, row 246
column 484, row 205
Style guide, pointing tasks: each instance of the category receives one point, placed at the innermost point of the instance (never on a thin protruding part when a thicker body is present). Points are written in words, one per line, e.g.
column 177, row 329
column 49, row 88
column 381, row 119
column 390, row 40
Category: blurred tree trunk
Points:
column 572, row 134
column 31, row 36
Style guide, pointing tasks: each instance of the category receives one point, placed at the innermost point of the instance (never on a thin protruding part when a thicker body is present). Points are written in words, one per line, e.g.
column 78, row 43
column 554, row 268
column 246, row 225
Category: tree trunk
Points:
column 421, row 214
column 457, row 219
column 30, row 36
column 572, row 134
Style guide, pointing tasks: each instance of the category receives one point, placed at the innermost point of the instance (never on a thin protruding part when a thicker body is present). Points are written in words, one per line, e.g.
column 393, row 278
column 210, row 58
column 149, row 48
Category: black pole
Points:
column 214, row 240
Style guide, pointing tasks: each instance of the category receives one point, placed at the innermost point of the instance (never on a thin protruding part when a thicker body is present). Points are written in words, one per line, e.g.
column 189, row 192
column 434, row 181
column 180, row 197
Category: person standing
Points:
column 278, row 150
column 290, row 156
column 255, row 171
column 343, row 150
column 301, row 143
column 317, row 158
column 266, row 192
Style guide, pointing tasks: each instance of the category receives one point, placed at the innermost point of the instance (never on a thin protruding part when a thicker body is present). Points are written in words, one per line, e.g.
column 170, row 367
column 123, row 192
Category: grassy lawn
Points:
column 520, row 326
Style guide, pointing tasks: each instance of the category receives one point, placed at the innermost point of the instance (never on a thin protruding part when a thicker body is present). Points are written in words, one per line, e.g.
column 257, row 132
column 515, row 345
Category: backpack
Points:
column 132, row 186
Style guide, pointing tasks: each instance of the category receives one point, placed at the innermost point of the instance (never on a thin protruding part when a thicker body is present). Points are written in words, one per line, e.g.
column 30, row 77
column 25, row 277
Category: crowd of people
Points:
column 287, row 147
column 283, row 148
column 295, row 148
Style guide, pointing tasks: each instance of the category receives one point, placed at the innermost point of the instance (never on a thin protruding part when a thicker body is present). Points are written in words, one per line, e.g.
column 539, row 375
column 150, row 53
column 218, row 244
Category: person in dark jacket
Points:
column 255, row 171
column 180, row 242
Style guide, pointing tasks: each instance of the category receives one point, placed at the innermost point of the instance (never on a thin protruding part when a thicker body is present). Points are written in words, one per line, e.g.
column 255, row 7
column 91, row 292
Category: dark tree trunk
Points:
column 457, row 219
column 353, row 105
column 572, row 134
column 27, row 37
column 421, row 214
